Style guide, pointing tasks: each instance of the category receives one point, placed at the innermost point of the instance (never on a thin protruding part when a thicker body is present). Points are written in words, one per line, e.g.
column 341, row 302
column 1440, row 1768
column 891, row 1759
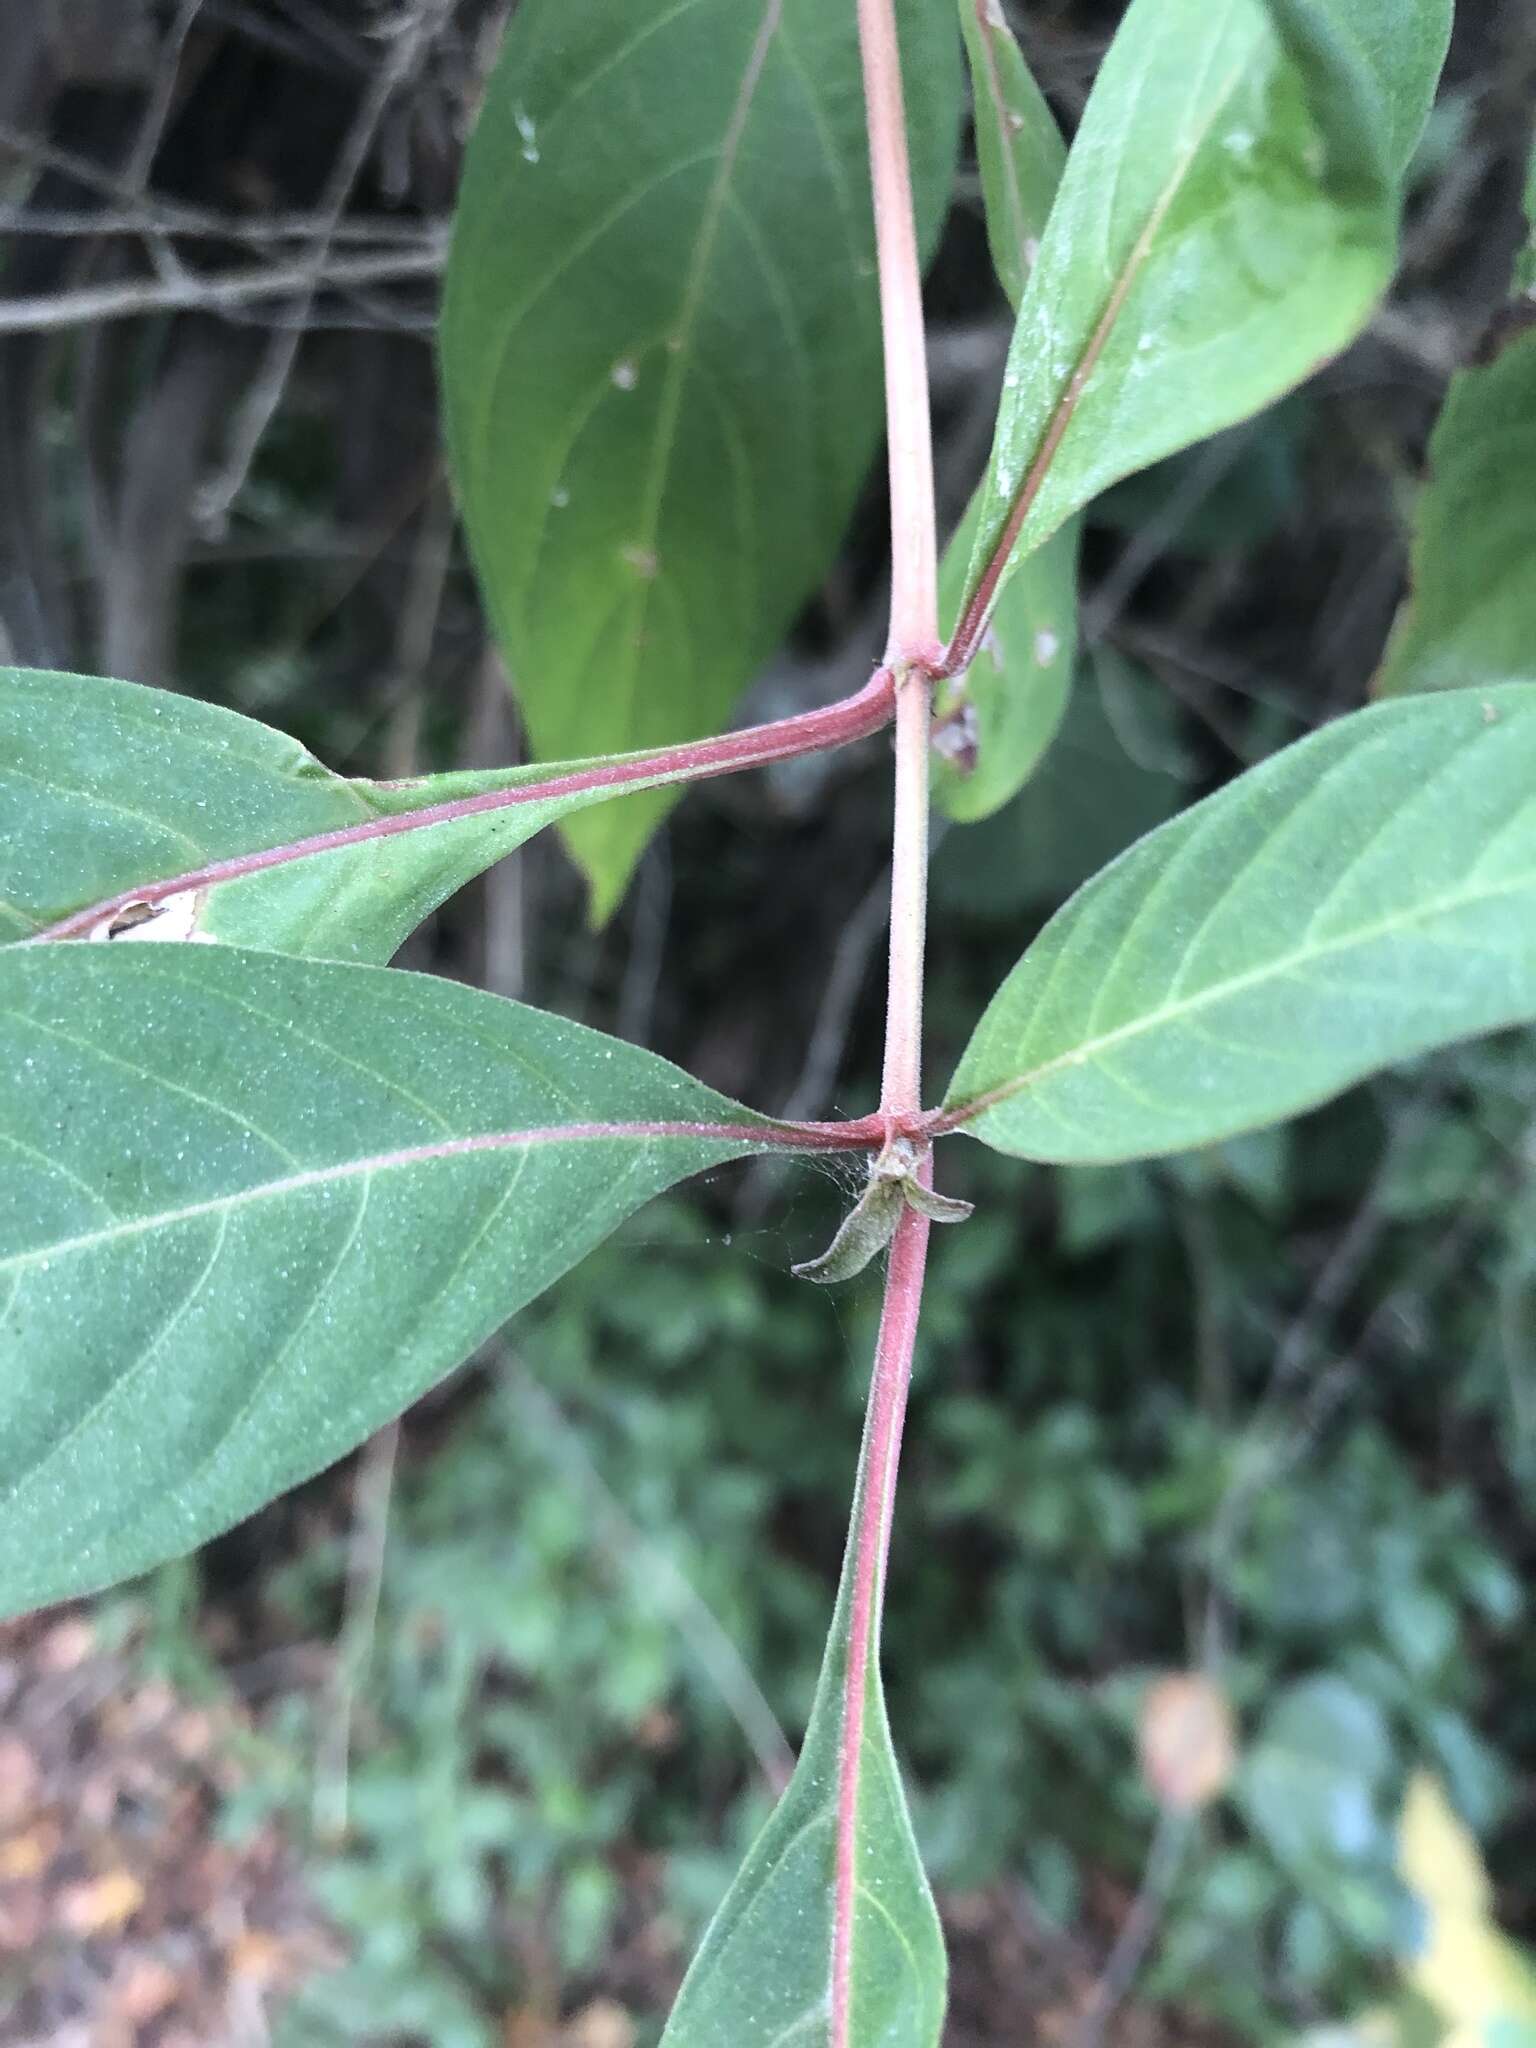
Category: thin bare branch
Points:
column 191, row 292
column 265, row 396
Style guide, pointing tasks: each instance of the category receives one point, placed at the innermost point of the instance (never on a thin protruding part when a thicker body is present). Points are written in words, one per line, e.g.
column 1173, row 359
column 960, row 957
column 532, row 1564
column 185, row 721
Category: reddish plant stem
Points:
column 914, row 635
column 834, row 725
column 901, row 1082
column 912, row 653
column 869, row 1545
column 913, row 644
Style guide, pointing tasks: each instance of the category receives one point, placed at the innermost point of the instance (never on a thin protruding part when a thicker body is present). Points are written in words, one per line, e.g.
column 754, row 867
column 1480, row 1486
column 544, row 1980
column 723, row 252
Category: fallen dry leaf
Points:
column 20, row 1777
column 1187, row 1741
column 143, row 1989
column 101, row 1904
column 66, row 1645
column 25, row 1855
column 602, row 2024
column 259, row 1956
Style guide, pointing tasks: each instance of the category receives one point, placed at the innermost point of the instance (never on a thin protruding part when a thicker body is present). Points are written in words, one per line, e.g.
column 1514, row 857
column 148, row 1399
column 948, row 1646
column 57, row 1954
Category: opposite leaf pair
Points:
column 256, row 1202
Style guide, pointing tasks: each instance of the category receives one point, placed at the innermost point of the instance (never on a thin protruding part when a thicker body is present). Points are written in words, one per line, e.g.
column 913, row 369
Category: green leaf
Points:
column 1008, row 707
column 863, row 1233
column 1471, row 617
column 110, row 786
column 1310, row 1781
column 1371, row 68
column 252, row 1206
column 1227, row 219
column 1363, row 896
column 763, row 1975
column 993, row 724
column 1311, row 1788
column 1018, row 143
column 660, row 353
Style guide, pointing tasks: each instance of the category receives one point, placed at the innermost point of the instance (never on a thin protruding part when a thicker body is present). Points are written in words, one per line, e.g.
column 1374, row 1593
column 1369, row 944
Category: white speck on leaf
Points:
column 175, row 918
column 625, row 374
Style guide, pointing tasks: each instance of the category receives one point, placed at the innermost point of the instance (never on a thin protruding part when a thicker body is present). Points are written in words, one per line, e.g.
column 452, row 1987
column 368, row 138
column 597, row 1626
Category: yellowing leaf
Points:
column 1471, row 1973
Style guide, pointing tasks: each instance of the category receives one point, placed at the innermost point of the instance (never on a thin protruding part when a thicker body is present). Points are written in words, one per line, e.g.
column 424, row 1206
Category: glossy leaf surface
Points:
column 1226, row 221
column 251, row 1206
column 109, row 786
column 1366, row 895
column 661, row 354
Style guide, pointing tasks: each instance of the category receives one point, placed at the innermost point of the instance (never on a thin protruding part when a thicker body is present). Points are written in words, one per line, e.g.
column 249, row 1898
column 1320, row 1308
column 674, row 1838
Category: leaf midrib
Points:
column 1018, row 501
column 678, row 354
column 1219, row 991
column 349, row 1169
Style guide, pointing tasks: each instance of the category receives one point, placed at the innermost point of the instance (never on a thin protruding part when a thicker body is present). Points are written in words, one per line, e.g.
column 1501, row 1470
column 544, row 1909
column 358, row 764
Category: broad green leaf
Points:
column 660, row 351
column 1018, row 143
column 1470, row 616
column 763, row 1975
column 996, row 721
column 109, row 786
column 252, row 1206
column 1363, row 896
column 1226, row 221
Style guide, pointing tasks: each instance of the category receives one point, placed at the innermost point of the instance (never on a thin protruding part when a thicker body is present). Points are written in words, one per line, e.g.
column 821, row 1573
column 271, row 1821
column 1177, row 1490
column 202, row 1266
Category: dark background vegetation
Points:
column 459, row 1745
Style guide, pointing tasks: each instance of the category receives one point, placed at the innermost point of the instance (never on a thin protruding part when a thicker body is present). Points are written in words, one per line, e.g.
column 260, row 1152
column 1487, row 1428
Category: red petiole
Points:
column 808, row 732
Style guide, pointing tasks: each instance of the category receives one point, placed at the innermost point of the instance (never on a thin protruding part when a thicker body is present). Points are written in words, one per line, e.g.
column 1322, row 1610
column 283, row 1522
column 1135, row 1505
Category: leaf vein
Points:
column 82, row 1422
column 148, row 1074
column 263, row 1378
column 57, row 1166
column 1215, row 992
